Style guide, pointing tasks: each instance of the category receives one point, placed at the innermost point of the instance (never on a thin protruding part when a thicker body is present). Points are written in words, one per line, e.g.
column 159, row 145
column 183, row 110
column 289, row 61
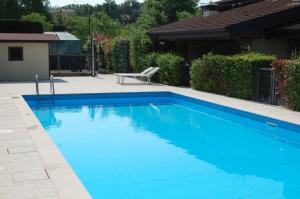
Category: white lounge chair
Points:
column 144, row 76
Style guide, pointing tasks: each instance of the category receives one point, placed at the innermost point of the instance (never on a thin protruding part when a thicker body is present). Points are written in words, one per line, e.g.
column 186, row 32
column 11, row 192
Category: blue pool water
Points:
column 167, row 146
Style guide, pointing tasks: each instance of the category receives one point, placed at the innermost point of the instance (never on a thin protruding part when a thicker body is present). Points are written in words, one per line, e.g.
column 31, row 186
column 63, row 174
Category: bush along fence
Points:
column 288, row 76
column 171, row 69
column 235, row 76
column 120, row 55
column 133, row 54
column 229, row 75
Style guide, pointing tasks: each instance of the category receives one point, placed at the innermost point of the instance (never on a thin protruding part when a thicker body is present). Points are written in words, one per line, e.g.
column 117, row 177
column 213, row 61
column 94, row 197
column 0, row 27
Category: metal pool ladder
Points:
column 52, row 89
column 37, row 84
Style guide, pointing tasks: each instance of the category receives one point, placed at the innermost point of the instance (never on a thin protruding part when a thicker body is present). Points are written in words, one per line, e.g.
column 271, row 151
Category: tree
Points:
column 17, row 8
column 111, row 9
column 60, row 21
column 78, row 25
column 171, row 7
column 38, row 6
column 132, row 9
column 36, row 17
column 9, row 9
column 106, row 25
column 158, row 12
column 183, row 15
column 153, row 15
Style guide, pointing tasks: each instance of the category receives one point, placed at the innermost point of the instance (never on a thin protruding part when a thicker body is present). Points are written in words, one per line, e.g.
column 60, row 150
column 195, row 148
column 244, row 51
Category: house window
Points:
column 15, row 53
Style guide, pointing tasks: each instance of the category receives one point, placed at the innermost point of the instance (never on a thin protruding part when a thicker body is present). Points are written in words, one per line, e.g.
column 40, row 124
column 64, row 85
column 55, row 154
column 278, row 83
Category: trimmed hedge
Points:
column 171, row 69
column 16, row 26
column 150, row 60
column 229, row 75
column 207, row 74
column 293, row 85
column 120, row 55
column 240, row 73
column 288, row 87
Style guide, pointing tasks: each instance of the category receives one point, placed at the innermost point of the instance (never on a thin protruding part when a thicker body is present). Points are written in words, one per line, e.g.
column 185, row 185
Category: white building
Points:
column 22, row 56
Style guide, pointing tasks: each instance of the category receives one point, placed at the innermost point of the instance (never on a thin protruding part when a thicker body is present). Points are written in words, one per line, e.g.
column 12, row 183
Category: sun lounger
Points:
column 144, row 76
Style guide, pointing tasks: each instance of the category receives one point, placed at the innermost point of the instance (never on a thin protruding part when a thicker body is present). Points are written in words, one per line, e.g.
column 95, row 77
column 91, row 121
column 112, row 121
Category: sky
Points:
column 91, row 2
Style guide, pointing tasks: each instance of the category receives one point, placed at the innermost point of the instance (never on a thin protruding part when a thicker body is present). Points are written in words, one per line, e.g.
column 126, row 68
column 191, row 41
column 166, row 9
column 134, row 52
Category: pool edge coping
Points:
column 180, row 93
column 67, row 184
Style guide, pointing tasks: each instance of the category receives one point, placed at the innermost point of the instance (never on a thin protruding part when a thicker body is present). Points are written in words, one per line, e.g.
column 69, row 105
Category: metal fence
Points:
column 72, row 63
column 266, row 86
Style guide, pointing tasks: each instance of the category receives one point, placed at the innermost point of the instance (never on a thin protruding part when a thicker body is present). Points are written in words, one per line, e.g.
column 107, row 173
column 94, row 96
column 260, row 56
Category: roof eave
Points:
column 189, row 34
column 28, row 41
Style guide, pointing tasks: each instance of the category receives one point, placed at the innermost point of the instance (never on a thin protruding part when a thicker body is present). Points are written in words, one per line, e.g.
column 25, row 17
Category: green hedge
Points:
column 120, row 55
column 293, row 85
column 288, row 86
column 171, row 69
column 207, row 74
column 140, row 46
column 240, row 73
column 150, row 60
column 230, row 75
column 17, row 26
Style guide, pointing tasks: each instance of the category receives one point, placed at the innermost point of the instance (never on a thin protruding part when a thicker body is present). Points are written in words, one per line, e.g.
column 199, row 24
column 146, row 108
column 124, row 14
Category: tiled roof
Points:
column 223, row 20
column 26, row 37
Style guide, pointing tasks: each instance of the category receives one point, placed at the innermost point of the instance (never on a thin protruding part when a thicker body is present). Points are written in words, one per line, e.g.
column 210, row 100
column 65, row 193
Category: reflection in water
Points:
column 172, row 151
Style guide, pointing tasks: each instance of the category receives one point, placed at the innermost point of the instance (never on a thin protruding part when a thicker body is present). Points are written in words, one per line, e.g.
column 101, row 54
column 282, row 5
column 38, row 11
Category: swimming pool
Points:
column 167, row 146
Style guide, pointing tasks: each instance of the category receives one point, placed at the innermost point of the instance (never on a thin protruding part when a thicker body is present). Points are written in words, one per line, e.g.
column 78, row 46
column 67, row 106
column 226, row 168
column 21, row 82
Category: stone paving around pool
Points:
column 30, row 164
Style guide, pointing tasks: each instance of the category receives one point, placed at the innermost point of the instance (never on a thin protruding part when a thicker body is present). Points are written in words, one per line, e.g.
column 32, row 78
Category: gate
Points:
column 266, row 86
column 69, row 64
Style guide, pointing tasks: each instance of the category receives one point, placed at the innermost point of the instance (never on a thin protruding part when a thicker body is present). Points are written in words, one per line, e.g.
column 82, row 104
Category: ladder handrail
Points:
column 52, row 90
column 37, row 84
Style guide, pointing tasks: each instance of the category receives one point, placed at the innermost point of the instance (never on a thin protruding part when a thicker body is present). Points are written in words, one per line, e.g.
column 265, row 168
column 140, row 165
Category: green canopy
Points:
column 68, row 44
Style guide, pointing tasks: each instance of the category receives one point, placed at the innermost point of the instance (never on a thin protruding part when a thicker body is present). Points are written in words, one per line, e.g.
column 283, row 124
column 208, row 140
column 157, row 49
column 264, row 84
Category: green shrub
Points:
column 120, row 55
column 293, row 85
column 280, row 68
column 207, row 74
column 140, row 46
column 171, row 69
column 230, row 75
column 240, row 73
column 150, row 60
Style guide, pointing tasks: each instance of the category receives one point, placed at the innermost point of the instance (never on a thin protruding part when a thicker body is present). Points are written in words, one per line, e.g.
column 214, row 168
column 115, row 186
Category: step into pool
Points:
column 162, row 145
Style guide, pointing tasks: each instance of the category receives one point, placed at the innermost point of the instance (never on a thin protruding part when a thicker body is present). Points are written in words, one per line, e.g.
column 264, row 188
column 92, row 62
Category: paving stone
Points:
column 21, row 149
column 11, row 123
column 33, row 190
column 29, row 176
column 12, row 134
column 16, row 142
column 7, row 105
column 19, row 157
column 9, row 114
column 16, row 167
column 5, row 179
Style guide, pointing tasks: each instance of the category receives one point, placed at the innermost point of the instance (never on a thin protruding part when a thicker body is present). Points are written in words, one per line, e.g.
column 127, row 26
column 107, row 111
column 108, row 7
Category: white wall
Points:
column 278, row 47
column 36, row 61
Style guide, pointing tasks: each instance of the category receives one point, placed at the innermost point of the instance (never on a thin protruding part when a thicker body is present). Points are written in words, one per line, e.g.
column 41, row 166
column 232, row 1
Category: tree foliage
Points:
column 139, row 47
column 153, row 15
column 120, row 55
column 36, row 17
column 172, row 7
column 14, row 9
